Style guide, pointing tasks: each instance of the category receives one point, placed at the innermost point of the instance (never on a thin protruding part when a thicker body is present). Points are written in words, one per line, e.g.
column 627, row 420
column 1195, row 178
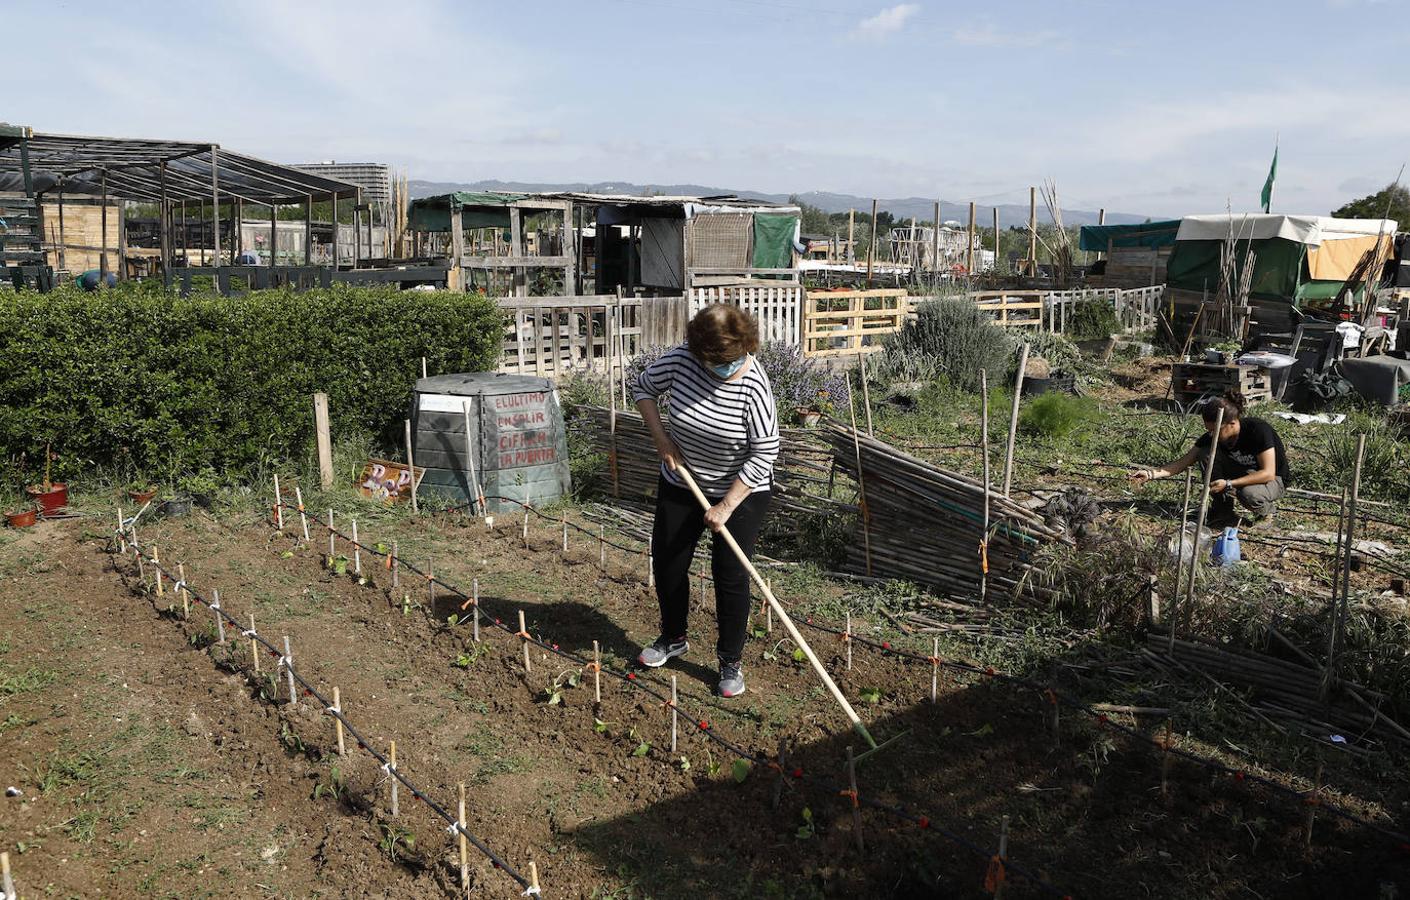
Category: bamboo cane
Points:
column 464, row 850
column 778, row 609
column 984, row 442
column 337, row 721
column 1199, row 529
column 1013, row 415
column 861, row 479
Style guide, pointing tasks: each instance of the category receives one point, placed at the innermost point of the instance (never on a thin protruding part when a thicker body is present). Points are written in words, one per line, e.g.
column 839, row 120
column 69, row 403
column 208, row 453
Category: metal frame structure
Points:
column 168, row 173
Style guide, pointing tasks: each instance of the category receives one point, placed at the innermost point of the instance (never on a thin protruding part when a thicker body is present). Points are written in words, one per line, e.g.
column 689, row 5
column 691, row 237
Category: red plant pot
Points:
column 142, row 496
column 52, row 500
column 24, row 519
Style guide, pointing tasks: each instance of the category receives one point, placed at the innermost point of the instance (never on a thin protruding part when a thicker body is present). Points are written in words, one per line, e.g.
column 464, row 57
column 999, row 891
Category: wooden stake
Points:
column 357, row 550
column 525, row 533
column 464, row 848
column 534, row 879
column 1313, row 801
column 1339, row 611
column 768, row 610
column 984, row 443
column 323, row 438
column 254, row 644
column 141, row 565
column 332, row 539
column 596, row 674
column 219, row 619
column 411, row 464
column 1180, row 544
column 185, row 594
column 430, row 584
column 288, row 663
column 423, row 367
column 391, row 772
column 1199, row 529
column 861, row 479
column 651, row 561
column 475, row 605
column 7, row 882
column 854, row 797
column 121, row 531
column 866, row 392
column 674, row 714
column 1003, row 855
column 157, row 571
column 1013, row 414
column 1165, row 762
column 278, row 504
column 524, row 636
column 338, row 722
column 602, row 546
column 303, row 515
column 396, row 565
column 935, row 672
column 847, row 639
column 565, row 532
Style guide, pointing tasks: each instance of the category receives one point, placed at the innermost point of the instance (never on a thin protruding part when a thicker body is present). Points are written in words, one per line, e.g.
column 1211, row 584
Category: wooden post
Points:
column 475, row 606
column 935, row 245
column 984, row 444
column 278, row 505
column 219, row 619
column 866, row 391
column 273, row 235
column 103, row 268
column 996, row 243
column 7, row 881
column 602, row 546
column 303, row 515
column 308, row 230
column 596, row 673
column 157, row 570
column 411, row 464
column 871, row 247
column 1032, row 231
column 524, row 637
column 847, row 640
column 851, row 237
column 565, row 532
column 357, row 551
column 121, row 531
column 969, row 250
column 185, row 594
column 254, row 644
column 1199, row 529
column 215, row 205
column 460, row 835
column 768, row 610
column 856, row 801
column 675, row 714
column 325, row 442
column 337, row 721
column 391, row 773
column 1013, row 418
column 534, row 879
column 861, row 479
column 288, row 662
column 935, row 672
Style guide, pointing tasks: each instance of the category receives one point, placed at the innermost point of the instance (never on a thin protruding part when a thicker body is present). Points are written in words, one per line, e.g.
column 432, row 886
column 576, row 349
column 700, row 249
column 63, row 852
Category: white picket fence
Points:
column 778, row 307
column 1136, row 308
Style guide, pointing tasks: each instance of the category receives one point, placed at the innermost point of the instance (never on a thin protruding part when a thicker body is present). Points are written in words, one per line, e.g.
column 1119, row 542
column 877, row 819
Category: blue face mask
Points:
column 725, row 370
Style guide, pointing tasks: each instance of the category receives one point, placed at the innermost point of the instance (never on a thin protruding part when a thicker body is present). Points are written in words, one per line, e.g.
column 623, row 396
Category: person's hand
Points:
column 717, row 515
column 1218, row 486
column 669, row 453
column 1139, row 477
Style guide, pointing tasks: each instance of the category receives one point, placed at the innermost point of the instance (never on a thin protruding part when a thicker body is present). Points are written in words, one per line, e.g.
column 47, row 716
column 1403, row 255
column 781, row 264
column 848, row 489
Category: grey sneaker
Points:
column 662, row 650
column 731, row 678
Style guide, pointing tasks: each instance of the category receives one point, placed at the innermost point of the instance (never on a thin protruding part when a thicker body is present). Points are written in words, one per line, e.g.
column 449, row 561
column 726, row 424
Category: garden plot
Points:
column 549, row 778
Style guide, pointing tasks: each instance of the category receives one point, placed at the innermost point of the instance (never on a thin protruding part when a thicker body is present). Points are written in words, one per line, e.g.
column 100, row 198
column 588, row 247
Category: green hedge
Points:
column 142, row 379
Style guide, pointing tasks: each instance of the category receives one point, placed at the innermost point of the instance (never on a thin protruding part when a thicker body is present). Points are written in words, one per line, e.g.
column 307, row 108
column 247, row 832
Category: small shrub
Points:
column 1056, row 415
column 949, row 336
column 1092, row 319
column 1057, row 349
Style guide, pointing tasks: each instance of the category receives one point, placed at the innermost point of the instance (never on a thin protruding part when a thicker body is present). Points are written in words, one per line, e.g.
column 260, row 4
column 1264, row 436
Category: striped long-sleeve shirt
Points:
column 725, row 429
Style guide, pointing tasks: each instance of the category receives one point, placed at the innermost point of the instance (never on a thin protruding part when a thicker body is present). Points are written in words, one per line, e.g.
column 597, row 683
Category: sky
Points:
column 1152, row 109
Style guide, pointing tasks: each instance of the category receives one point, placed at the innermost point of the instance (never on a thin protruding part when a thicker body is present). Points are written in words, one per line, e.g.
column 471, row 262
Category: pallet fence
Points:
column 845, row 323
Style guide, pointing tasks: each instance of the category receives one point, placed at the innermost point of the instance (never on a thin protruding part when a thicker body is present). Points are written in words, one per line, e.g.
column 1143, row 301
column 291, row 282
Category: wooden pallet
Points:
column 1193, row 381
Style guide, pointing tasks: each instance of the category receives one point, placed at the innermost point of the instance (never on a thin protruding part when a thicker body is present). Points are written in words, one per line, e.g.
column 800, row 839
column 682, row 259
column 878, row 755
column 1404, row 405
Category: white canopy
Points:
column 1311, row 230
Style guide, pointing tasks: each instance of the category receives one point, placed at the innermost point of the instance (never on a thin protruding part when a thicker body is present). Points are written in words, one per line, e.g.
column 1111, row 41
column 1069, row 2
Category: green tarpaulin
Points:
column 478, row 209
column 1095, row 238
column 773, row 240
column 1278, row 267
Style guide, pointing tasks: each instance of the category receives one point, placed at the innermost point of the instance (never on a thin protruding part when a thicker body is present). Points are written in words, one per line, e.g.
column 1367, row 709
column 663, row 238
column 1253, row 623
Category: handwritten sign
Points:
column 387, row 481
column 521, row 424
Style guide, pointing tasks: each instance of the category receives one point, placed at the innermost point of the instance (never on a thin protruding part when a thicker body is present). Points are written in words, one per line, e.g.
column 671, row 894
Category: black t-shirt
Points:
column 1241, row 458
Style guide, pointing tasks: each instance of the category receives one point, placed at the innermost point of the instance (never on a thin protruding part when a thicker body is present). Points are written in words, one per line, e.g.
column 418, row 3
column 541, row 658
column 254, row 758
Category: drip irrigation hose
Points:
column 1102, row 719
column 329, row 708
column 702, row 725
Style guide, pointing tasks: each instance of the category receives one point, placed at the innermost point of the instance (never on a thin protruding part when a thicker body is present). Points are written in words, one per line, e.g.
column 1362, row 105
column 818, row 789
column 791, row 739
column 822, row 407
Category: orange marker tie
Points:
column 994, row 877
column 856, row 801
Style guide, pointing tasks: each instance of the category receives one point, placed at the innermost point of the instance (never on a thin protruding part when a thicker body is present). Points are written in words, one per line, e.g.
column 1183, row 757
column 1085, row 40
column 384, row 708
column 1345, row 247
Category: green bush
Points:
column 949, row 337
column 146, row 380
column 1056, row 415
column 1092, row 319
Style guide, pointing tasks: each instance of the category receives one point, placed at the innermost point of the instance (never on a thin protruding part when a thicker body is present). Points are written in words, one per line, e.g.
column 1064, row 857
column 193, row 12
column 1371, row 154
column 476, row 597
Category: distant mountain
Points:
column 1010, row 214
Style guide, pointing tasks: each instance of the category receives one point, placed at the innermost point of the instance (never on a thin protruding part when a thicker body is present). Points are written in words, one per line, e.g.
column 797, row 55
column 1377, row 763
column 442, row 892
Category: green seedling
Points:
column 684, row 763
column 394, row 838
column 799, row 655
column 807, row 829
column 453, row 620
column 382, row 548
column 740, row 769
column 291, row 740
column 469, row 655
column 871, row 695
column 287, row 554
column 407, row 604
column 566, row 679
column 642, row 749
column 599, row 726
column 338, row 565
column 333, row 787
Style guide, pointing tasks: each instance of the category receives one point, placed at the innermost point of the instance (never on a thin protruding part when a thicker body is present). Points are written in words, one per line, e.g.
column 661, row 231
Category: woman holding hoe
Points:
column 724, row 428
column 1250, row 463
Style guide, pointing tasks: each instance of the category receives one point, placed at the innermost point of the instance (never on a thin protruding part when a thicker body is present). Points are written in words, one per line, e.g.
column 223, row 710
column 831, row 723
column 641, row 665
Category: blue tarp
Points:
column 1097, row 238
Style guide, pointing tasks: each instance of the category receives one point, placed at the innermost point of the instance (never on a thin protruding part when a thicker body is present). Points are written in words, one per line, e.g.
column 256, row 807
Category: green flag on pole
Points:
column 1268, row 185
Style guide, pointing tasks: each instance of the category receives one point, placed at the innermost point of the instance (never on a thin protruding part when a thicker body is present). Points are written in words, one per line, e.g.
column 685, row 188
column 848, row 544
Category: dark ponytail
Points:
column 1232, row 403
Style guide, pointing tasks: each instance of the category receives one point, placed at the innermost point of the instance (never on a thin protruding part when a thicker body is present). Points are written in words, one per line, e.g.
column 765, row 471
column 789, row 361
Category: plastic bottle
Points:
column 1225, row 551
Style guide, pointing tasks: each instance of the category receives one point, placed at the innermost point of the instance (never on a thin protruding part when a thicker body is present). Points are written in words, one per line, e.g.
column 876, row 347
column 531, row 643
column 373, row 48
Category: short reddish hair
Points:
column 721, row 333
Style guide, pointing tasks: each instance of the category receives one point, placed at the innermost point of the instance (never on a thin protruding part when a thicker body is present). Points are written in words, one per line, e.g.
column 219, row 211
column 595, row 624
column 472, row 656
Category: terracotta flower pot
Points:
column 52, row 500
column 24, row 519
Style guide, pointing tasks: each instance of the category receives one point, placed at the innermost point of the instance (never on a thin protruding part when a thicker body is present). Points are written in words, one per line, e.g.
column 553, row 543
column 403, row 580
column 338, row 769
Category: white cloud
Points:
column 989, row 35
column 887, row 22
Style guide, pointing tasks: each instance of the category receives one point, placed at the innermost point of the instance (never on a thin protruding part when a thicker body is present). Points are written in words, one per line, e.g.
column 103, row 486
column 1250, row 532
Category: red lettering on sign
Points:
column 519, row 401
column 536, row 457
column 514, row 440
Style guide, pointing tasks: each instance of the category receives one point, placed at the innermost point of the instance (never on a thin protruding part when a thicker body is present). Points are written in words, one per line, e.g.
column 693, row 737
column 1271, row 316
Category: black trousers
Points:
column 679, row 523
